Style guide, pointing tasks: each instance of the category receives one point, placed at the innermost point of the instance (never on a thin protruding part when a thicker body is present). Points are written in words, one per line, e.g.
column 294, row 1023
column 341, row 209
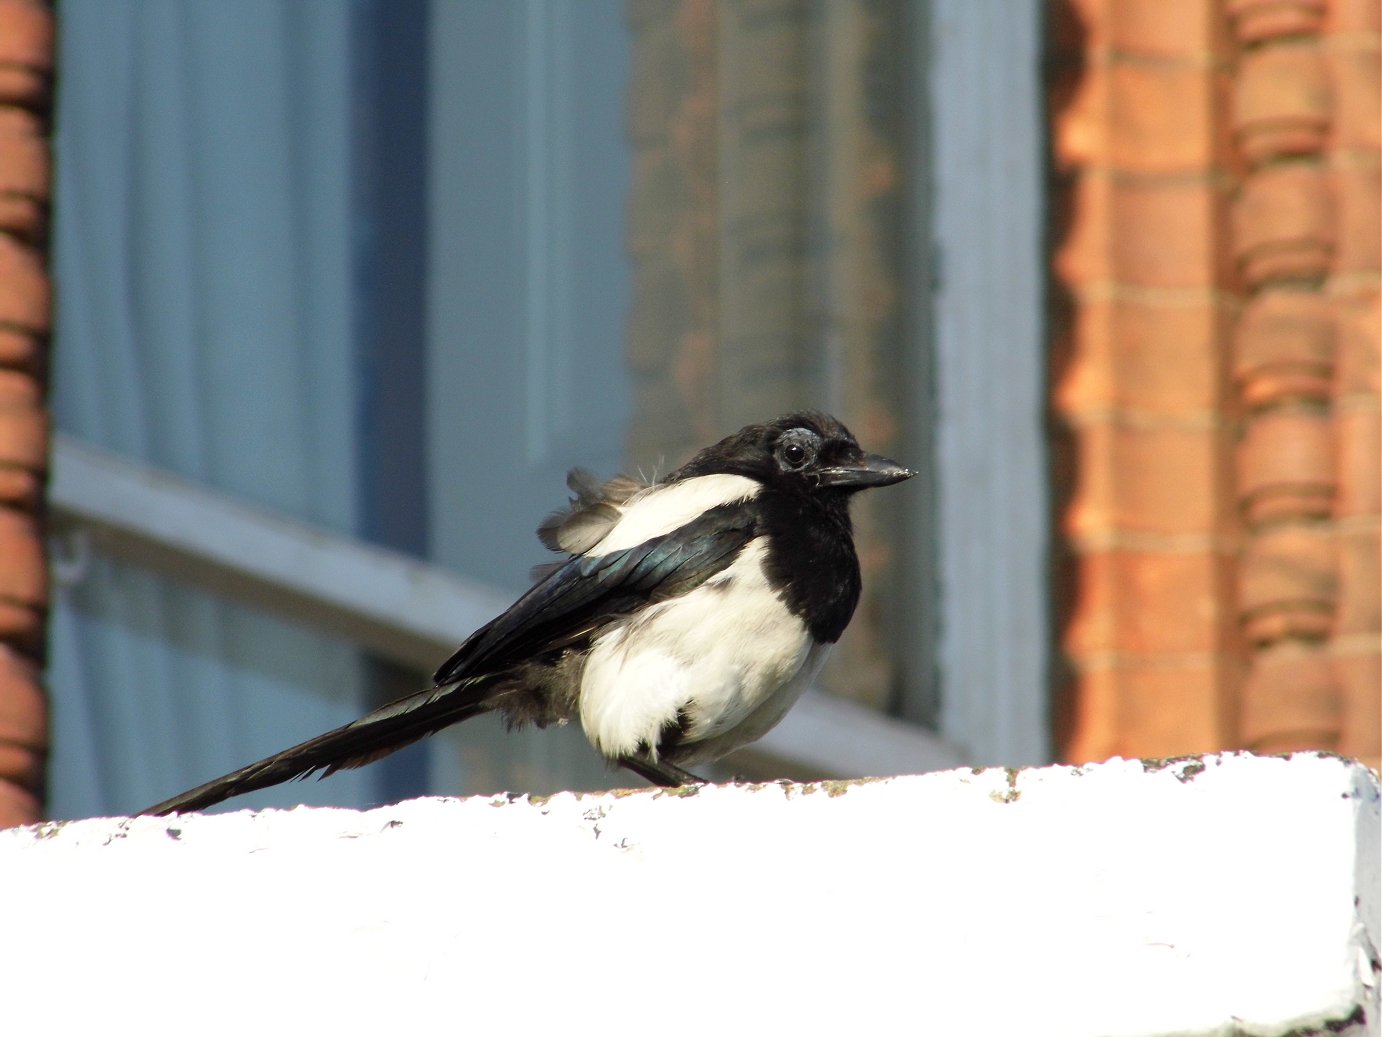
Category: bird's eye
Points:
column 797, row 448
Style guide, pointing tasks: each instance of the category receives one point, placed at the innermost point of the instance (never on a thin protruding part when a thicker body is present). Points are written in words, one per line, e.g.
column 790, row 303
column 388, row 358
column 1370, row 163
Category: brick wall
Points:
column 1143, row 303
column 1214, row 374
column 26, row 64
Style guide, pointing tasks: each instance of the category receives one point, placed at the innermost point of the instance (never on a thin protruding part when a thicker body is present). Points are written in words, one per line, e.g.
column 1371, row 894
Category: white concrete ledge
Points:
column 1213, row 895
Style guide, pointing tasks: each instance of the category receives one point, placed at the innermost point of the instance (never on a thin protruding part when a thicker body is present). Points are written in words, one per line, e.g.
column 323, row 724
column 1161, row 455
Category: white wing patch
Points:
column 729, row 653
column 663, row 508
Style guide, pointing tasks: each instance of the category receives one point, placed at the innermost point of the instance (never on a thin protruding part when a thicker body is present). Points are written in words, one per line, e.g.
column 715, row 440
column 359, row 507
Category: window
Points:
column 386, row 271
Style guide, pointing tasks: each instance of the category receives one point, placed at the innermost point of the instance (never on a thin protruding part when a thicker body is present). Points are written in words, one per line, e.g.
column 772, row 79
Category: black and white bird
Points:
column 689, row 616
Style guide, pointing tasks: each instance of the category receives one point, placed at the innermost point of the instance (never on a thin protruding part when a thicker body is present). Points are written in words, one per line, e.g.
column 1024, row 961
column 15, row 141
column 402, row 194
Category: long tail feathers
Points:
column 363, row 741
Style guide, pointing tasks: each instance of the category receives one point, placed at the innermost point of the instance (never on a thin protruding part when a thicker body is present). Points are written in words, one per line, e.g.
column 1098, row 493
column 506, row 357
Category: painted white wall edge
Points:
column 1208, row 895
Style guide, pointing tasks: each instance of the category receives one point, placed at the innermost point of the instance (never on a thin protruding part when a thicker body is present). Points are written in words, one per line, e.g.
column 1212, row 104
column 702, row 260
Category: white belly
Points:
column 729, row 654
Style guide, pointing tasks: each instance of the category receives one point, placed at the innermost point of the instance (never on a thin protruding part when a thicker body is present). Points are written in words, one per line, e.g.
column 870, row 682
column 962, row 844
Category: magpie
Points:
column 685, row 620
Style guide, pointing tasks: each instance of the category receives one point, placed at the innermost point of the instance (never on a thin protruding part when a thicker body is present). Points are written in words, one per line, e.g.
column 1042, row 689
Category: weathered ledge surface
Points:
column 1205, row 895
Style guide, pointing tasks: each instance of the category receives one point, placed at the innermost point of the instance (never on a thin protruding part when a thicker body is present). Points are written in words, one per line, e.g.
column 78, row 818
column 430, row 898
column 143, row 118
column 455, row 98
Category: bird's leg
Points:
column 660, row 772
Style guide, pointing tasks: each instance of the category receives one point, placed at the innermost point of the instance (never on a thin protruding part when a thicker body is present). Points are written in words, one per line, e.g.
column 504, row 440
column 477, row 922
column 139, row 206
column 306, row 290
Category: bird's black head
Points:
column 807, row 453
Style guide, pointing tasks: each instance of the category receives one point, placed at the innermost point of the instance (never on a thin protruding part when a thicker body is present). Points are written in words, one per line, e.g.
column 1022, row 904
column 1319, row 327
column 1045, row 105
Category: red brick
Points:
column 25, row 294
column 26, row 34
column 1146, row 603
column 24, row 436
column 1258, row 20
column 1359, row 324
column 18, row 806
column 1356, row 77
column 25, row 166
column 24, row 186
column 1083, row 254
column 1079, row 113
column 1354, row 16
column 1283, row 224
column 1360, row 586
column 1284, row 348
column 1357, row 435
column 19, row 348
column 1163, row 116
column 1286, row 466
column 1173, row 711
column 24, row 574
column 23, row 718
column 1145, row 711
column 1290, row 701
column 1165, row 234
column 1155, row 233
column 1167, row 28
column 1145, row 478
column 1360, row 677
column 22, row 626
column 1288, row 584
column 1161, row 356
column 1358, row 192
column 1087, row 717
column 1281, row 102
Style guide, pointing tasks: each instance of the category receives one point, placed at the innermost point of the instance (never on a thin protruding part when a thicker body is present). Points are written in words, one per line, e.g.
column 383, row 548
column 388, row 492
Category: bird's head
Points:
column 804, row 453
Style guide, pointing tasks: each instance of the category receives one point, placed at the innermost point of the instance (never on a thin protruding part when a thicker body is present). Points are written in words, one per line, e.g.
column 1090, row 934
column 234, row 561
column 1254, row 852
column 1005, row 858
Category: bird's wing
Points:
column 589, row 590
column 583, row 595
column 592, row 512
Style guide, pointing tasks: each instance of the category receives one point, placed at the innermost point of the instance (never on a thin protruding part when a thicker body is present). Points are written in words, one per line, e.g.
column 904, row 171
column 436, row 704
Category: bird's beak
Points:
column 869, row 470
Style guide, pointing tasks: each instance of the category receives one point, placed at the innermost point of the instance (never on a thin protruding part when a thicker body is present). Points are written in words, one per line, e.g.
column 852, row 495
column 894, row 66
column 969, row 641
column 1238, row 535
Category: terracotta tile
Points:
column 1257, row 20
column 24, row 438
column 1284, row 224
column 1353, row 16
column 21, row 349
column 18, row 806
column 1356, row 118
column 23, row 709
column 1281, row 102
column 1358, row 205
column 25, row 165
column 1288, row 583
column 1359, row 327
column 1359, row 583
column 21, row 488
column 25, row 294
column 1286, row 466
column 1290, row 700
column 24, row 576
column 1283, row 348
column 1357, row 435
column 26, row 34
column 1360, row 677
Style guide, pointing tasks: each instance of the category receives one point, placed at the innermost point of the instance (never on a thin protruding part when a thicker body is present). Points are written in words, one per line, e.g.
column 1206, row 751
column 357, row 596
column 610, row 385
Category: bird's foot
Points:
column 660, row 772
